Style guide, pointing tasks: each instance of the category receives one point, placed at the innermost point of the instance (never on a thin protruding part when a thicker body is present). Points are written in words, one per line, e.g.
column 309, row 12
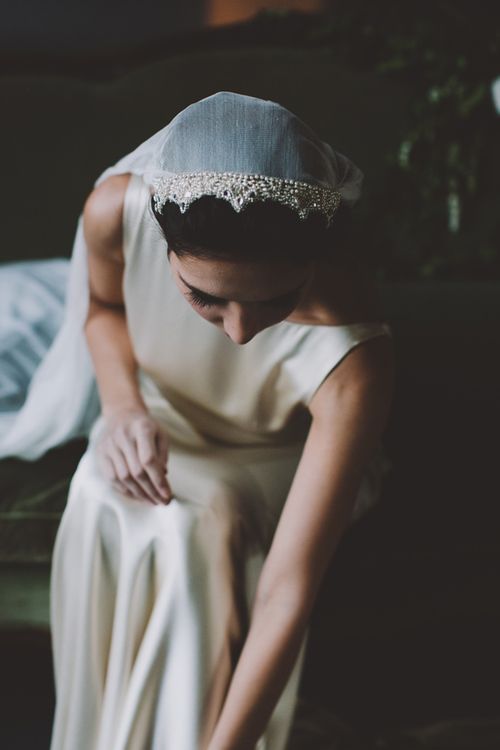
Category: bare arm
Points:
column 106, row 328
column 349, row 410
column 133, row 449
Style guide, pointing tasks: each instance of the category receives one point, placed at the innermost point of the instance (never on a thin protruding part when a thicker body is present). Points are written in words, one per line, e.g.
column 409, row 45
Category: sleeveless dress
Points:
column 150, row 604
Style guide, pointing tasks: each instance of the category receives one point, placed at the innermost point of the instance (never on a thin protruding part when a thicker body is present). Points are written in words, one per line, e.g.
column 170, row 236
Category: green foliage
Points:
column 436, row 213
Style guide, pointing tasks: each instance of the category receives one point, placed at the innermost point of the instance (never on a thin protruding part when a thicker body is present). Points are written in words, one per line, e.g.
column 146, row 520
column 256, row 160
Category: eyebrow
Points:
column 221, row 299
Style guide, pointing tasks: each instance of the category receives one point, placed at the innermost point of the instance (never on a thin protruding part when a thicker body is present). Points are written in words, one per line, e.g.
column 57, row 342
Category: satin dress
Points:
column 150, row 604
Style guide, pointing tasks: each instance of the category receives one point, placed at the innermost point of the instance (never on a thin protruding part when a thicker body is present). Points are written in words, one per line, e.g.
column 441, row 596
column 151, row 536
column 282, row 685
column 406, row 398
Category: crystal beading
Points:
column 240, row 189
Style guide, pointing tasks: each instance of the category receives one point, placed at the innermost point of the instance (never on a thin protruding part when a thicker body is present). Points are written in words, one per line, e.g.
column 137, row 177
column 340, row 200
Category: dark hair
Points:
column 264, row 230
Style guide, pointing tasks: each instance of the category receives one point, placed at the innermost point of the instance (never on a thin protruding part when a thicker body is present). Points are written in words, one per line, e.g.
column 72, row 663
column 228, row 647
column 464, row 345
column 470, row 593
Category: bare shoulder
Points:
column 102, row 229
column 103, row 216
column 366, row 374
column 347, row 296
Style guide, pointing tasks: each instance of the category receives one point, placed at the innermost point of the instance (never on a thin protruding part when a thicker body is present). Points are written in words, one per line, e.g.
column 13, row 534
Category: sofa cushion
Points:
column 32, row 497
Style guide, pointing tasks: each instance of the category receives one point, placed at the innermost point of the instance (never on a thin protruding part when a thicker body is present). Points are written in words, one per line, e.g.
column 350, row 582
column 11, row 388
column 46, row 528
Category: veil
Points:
column 222, row 132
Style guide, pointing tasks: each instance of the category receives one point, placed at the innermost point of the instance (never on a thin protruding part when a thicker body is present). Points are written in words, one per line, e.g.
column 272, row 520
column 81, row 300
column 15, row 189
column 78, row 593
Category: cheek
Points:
column 266, row 318
column 274, row 316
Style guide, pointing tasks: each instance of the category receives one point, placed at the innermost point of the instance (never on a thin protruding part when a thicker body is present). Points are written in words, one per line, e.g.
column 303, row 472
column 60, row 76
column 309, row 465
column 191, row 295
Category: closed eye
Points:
column 202, row 301
column 199, row 300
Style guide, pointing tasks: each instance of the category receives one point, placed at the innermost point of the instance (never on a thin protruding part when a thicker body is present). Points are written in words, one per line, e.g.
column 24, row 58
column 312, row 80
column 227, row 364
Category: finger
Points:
column 124, row 490
column 154, row 465
column 148, row 477
column 162, row 448
column 124, row 475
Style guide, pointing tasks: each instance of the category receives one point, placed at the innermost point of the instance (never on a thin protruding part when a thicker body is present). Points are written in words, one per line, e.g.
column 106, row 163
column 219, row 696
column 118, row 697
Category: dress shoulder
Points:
column 322, row 348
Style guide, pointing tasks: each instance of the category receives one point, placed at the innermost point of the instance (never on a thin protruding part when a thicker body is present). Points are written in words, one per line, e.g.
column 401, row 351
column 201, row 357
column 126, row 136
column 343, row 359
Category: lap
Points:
column 248, row 483
column 242, row 486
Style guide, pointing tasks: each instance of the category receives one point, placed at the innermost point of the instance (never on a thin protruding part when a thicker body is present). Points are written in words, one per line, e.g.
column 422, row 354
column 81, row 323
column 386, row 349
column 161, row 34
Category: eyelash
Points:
column 202, row 302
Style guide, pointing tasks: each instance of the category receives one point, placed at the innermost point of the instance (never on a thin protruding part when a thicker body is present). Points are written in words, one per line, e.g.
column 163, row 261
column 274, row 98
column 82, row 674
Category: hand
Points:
column 132, row 453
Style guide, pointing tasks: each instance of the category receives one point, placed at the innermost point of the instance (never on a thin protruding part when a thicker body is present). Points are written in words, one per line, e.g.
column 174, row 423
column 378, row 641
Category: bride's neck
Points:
column 337, row 293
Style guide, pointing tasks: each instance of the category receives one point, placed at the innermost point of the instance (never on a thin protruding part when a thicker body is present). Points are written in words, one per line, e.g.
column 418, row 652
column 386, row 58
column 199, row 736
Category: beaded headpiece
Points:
column 244, row 149
column 241, row 189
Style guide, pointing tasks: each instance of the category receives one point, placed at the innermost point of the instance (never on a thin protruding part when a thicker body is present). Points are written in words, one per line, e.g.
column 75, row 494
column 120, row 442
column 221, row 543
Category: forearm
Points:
column 349, row 416
column 265, row 664
column 113, row 358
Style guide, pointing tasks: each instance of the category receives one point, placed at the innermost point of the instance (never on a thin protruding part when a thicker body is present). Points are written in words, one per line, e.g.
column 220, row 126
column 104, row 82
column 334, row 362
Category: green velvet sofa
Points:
column 405, row 631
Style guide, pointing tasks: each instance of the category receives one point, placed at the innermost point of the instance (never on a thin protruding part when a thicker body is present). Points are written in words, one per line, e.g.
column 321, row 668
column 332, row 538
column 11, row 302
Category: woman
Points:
column 245, row 380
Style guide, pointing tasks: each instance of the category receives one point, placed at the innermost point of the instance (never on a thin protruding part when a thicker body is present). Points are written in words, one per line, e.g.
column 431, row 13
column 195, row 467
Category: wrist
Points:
column 111, row 409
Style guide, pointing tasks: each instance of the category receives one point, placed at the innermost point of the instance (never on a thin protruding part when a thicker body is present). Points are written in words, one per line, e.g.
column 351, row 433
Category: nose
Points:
column 241, row 325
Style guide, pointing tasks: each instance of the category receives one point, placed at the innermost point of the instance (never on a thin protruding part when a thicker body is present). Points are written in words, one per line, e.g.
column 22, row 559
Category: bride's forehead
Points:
column 222, row 278
column 220, row 269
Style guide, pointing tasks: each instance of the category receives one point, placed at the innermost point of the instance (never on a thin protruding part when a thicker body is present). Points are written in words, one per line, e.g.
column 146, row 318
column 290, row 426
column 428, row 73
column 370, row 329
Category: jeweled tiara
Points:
column 240, row 189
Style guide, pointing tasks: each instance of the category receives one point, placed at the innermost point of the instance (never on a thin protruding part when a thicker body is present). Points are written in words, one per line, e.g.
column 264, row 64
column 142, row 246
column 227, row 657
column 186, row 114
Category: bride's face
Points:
column 241, row 297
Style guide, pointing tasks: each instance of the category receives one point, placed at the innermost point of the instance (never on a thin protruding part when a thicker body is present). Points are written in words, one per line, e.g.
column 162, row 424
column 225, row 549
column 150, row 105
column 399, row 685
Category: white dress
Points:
column 150, row 604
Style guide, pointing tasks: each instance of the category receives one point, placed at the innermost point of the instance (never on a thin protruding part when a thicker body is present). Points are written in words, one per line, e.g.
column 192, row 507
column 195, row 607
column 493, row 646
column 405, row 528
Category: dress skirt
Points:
column 150, row 604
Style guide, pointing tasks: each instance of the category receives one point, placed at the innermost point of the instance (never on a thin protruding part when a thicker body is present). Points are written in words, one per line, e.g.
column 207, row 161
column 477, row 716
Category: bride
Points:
column 245, row 378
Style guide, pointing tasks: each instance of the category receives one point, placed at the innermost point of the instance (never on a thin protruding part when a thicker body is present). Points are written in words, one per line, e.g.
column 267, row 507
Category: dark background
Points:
column 407, row 626
column 435, row 212
column 88, row 26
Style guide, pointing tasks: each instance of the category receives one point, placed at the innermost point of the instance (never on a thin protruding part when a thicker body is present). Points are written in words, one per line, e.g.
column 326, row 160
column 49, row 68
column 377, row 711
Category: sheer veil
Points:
column 222, row 132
